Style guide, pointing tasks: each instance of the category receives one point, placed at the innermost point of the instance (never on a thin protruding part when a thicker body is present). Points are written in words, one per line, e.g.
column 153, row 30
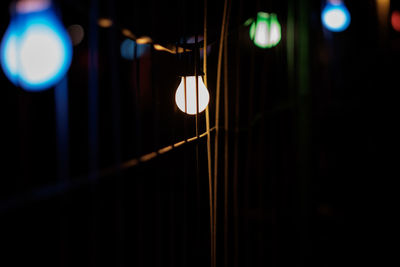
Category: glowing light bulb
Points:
column 335, row 16
column 266, row 30
column 191, row 98
column 128, row 49
column 76, row 33
column 105, row 22
column 36, row 50
column 395, row 20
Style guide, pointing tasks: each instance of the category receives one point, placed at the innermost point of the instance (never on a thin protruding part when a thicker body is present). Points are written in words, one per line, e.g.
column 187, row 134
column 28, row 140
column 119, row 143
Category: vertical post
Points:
column 196, row 73
column 249, row 159
column 210, row 186
column 291, row 68
column 62, row 137
column 93, row 89
column 137, row 102
column 290, row 47
column 116, row 140
column 184, row 202
column 140, row 259
column 303, row 126
column 62, row 127
column 216, row 147
column 226, row 143
column 93, row 121
column 236, row 146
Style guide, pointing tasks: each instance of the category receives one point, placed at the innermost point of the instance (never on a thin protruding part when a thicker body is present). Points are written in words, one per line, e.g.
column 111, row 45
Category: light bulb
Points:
column 190, row 105
column 266, row 30
column 36, row 50
column 335, row 16
column 128, row 47
column 395, row 20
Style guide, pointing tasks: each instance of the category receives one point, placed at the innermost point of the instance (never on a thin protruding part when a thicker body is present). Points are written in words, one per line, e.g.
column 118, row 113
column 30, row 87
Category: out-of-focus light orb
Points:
column 8, row 51
column 105, row 22
column 173, row 49
column 128, row 33
column 128, row 47
column 265, row 31
column 36, row 51
column 335, row 16
column 76, row 33
column 40, row 55
column 395, row 20
column 159, row 47
column 190, row 105
column 144, row 40
column 27, row 6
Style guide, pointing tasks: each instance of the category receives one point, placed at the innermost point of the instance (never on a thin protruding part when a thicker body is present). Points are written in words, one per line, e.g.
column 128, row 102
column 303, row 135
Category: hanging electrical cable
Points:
column 217, row 106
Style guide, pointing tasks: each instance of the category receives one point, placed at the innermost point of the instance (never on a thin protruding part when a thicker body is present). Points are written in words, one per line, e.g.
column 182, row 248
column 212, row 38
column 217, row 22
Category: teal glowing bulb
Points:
column 335, row 16
column 36, row 51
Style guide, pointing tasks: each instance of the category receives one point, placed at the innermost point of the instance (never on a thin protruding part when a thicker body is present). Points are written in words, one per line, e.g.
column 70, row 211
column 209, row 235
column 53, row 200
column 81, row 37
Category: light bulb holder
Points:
column 192, row 96
column 189, row 63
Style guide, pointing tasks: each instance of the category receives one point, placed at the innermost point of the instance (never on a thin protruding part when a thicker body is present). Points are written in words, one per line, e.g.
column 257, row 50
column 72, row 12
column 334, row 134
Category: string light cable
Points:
column 77, row 181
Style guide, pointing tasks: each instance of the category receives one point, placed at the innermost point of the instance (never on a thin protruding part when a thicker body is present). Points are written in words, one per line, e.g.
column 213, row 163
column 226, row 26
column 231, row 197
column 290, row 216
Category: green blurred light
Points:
column 265, row 32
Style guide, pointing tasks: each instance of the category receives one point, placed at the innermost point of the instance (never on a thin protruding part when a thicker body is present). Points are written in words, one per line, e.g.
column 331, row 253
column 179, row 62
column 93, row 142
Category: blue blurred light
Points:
column 335, row 17
column 36, row 51
column 128, row 49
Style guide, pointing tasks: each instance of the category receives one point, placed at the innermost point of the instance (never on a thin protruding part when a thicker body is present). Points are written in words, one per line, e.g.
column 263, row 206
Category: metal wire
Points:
column 78, row 181
column 217, row 105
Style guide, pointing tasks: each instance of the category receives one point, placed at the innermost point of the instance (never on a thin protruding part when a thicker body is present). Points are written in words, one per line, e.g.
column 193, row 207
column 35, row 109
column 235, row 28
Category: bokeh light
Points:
column 105, row 22
column 76, row 33
column 128, row 33
column 335, row 17
column 265, row 31
column 128, row 49
column 36, row 50
column 395, row 20
column 144, row 40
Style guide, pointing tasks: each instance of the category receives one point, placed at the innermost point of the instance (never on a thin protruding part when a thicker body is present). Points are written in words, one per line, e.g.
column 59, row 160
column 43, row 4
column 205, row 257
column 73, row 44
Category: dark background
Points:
column 311, row 144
